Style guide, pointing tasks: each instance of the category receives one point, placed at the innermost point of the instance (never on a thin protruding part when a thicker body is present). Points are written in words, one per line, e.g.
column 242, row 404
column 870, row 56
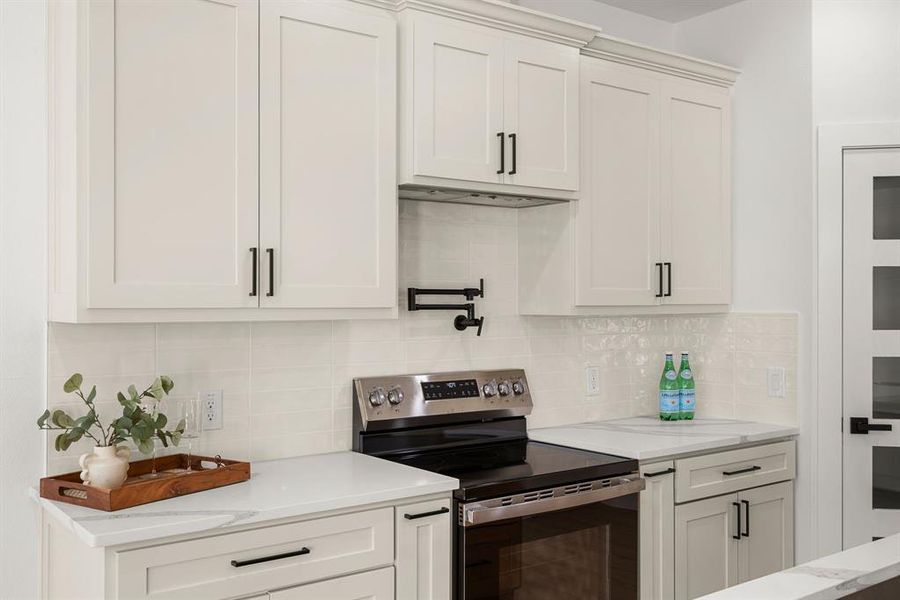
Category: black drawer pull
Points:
column 502, row 137
column 253, row 276
column 746, row 532
column 658, row 473
column 440, row 511
column 737, row 506
column 742, row 471
column 255, row 561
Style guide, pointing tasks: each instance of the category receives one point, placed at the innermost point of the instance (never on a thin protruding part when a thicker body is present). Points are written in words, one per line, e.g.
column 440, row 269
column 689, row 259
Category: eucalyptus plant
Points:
column 135, row 423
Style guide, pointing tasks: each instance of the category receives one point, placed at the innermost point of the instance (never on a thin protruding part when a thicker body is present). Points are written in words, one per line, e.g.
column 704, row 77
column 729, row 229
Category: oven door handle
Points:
column 474, row 514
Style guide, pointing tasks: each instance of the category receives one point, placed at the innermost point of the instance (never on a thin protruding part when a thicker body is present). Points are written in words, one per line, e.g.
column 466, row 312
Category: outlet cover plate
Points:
column 211, row 409
column 592, row 380
column 775, row 382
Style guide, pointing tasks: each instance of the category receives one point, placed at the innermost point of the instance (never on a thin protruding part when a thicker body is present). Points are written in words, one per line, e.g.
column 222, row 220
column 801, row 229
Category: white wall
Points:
column 772, row 177
column 611, row 19
column 23, row 295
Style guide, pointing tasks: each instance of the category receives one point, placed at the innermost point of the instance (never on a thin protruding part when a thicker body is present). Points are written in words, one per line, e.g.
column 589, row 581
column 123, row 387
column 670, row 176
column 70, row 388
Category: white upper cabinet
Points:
column 540, row 116
column 457, row 84
column 486, row 109
column 173, row 160
column 328, row 191
column 696, row 193
column 618, row 216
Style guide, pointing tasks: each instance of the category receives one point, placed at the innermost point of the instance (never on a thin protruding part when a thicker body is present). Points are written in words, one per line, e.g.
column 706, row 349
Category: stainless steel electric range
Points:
column 533, row 520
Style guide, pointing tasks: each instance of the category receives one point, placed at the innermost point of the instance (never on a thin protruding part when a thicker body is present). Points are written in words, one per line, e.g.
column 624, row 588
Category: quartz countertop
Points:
column 648, row 438
column 831, row 577
column 278, row 489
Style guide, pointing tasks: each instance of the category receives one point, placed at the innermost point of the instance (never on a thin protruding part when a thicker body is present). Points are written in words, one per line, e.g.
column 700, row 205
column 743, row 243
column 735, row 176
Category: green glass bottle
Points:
column 668, row 391
column 687, row 396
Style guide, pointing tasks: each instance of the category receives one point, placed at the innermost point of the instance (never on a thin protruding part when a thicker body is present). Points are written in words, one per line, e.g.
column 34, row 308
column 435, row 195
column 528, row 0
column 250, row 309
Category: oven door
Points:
column 576, row 542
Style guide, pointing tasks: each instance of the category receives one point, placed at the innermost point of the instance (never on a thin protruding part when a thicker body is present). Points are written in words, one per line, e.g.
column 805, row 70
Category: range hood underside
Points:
column 434, row 194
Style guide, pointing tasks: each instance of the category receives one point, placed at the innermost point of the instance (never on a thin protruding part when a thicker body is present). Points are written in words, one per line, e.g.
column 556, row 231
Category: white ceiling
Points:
column 672, row 11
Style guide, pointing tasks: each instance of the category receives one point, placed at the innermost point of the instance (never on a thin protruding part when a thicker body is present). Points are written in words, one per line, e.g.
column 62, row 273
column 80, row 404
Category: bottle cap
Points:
column 684, row 352
column 669, row 353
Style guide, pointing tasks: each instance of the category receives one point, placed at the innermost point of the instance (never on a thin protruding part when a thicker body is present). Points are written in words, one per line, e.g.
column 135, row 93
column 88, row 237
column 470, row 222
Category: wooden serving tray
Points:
column 172, row 480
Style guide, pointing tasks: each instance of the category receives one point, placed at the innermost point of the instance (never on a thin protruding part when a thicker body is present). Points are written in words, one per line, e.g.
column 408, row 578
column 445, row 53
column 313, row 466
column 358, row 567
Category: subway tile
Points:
column 202, row 334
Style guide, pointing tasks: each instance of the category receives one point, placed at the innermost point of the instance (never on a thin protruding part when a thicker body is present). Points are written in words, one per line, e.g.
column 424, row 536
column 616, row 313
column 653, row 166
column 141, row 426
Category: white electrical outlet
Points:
column 775, row 382
column 211, row 409
column 593, row 380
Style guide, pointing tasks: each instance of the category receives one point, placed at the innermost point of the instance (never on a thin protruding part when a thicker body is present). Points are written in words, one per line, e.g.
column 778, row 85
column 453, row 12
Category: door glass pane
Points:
column 886, row 191
column 886, row 387
column 885, row 477
column 886, row 298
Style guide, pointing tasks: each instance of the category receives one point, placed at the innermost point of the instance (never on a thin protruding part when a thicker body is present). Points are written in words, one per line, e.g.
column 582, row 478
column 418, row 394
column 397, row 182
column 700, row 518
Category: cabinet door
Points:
column 657, row 531
column 371, row 585
column 540, row 114
column 617, row 217
column 457, row 98
column 172, row 166
column 423, row 550
column 768, row 525
column 328, row 194
column 706, row 551
column 696, row 193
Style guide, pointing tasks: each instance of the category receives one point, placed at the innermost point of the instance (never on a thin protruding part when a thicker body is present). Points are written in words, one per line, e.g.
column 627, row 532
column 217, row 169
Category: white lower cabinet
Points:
column 424, row 541
column 372, row 585
column 692, row 548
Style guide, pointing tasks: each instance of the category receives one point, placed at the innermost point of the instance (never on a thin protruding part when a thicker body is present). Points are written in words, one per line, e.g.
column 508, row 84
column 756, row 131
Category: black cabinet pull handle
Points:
column 512, row 138
column 441, row 511
column 658, row 473
column 256, row 561
column 862, row 425
column 502, row 137
column 668, row 266
column 659, row 267
column 253, row 274
column 271, row 253
column 746, row 532
column 742, row 471
column 737, row 506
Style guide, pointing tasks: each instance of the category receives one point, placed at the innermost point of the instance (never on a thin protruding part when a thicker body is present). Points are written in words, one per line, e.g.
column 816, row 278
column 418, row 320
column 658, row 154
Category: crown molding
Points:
column 638, row 55
column 510, row 17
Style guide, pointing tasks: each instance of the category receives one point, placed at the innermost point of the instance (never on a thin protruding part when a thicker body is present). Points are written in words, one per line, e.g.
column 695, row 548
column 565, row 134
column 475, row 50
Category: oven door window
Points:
column 584, row 553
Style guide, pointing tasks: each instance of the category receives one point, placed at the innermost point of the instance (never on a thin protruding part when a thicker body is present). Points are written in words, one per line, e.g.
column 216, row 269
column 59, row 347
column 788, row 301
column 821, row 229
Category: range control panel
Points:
column 452, row 396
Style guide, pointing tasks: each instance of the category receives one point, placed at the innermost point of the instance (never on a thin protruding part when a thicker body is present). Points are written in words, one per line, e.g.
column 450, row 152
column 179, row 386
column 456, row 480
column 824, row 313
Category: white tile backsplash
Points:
column 287, row 385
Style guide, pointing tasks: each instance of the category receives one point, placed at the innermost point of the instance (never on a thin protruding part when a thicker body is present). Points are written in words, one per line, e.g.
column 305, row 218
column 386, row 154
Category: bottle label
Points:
column 686, row 374
column 671, row 375
column 688, row 399
column 669, row 401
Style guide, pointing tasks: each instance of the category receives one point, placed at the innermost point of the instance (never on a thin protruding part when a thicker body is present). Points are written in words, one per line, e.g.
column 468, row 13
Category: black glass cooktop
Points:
column 512, row 467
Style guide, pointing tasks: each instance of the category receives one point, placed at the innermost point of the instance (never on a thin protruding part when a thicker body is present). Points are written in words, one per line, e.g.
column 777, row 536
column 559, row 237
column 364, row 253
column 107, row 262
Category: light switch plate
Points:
column 211, row 409
column 592, row 380
column 775, row 382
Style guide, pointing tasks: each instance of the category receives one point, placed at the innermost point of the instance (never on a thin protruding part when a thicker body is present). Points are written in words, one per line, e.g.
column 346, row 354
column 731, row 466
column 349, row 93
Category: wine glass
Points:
column 189, row 413
column 151, row 406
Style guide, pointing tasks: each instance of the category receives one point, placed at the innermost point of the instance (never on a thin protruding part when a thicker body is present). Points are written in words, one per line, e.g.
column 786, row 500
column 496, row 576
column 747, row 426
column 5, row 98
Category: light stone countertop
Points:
column 278, row 489
column 827, row 578
column 648, row 438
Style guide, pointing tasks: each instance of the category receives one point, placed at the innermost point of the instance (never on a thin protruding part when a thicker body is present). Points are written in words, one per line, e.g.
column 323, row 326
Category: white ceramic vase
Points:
column 106, row 467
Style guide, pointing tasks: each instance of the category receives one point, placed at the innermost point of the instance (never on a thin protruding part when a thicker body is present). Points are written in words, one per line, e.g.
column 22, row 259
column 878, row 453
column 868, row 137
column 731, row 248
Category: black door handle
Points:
column 659, row 267
column 737, row 506
column 658, row 473
column 502, row 137
column 862, row 425
column 441, row 511
column 512, row 138
column 746, row 532
column 256, row 561
column 742, row 471
column 271, row 253
column 668, row 266
column 253, row 274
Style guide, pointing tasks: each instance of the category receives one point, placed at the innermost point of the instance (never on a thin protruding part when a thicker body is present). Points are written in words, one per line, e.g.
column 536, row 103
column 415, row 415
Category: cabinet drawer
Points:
column 725, row 472
column 372, row 585
column 229, row 565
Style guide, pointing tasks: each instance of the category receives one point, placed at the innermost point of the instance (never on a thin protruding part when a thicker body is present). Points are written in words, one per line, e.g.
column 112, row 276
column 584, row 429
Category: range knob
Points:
column 518, row 387
column 489, row 389
column 395, row 395
column 377, row 396
column 504, row 388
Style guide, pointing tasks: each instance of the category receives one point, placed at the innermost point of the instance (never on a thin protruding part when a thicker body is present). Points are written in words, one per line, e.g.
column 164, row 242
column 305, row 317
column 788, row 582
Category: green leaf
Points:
column 61, row 419
column 180, row 427
column 122, row 399
column 122, row 423
column 43, row 419
column 161, row 421
column 75, row 434
column 73, row 383
column 92, row 394
column 176, row 437
column 58, row 442
column 84, row 422
column 132, row 392
column 162, row 437
column 146, row 446
column 167, row 383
